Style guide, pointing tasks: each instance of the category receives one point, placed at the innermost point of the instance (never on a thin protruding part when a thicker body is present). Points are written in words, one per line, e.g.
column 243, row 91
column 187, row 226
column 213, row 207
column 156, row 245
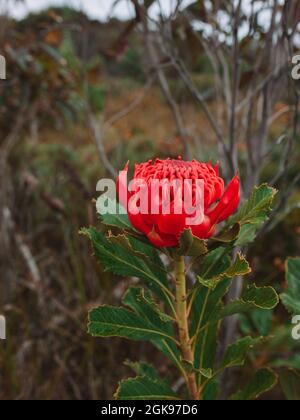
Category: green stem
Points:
column 182, row 320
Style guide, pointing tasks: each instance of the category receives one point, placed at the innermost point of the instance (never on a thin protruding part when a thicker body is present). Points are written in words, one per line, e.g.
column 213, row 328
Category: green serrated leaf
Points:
column 256, row 208
column 190, row 245
column 189, row 367
column 253, row 297
column 291, row 298
column 261, row 297
column 262, row 321
column 111, row 321
column 207, row 373
column 144, row 388
column 204, row 326
column 121, row 261
column 142, row 250
column 239, row 268
column 253, row 214
column 143, row 303
column 228, row 235
column 143, row 369
column 237, row 352
column 256, row 321
column 290, row 362
column 121, row 239
column 263, row 381
column 215, row 263
column 145, row 307
column 247, row 234
column 211, row 390
column 290, row 384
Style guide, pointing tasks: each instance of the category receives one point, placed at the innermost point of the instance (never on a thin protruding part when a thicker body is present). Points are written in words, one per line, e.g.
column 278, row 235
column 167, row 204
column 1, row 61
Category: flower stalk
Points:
column 183, row 327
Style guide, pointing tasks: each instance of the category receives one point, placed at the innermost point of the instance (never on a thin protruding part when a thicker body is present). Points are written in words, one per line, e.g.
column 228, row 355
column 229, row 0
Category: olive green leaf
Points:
column 290, row 384
column 119, row 260
column 240, row 267
column 143, row 369
column 237, row 352
column 144, row 388
column 228, row 235
column 291, row 298
column 111, row 321
column 253, row 213
column 257, row 207
column 190, row 245
column 206, row 306
column 211, row 390
column 142, row 250
column 215, row 263
column 144, row 305
column 253, row 297
column 262, row 381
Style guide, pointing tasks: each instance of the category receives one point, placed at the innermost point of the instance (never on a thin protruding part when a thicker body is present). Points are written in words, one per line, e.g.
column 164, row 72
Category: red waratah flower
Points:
column 163, row 230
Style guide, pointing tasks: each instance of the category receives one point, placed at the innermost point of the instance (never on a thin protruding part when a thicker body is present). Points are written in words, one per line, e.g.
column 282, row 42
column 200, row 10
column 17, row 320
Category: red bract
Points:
column 163, row 230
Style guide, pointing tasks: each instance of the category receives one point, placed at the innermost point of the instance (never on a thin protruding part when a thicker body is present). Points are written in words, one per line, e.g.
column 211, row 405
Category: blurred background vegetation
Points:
column 81, row 98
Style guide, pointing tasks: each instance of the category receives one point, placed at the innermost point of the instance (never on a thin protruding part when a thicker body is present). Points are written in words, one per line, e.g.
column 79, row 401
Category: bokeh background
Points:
column 93, row 84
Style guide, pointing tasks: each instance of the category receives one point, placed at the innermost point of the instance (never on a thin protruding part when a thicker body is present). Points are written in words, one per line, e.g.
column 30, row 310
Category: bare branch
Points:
column 150, row 42
column 236, row 14
column 22, row 246
column 98, row 137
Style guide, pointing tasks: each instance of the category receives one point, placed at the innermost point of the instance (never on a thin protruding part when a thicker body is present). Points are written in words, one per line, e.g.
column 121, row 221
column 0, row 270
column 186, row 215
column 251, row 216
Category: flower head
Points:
column 162, row 228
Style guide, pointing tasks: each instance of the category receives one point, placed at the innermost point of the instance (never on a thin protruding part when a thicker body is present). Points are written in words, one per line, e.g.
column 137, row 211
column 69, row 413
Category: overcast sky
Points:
column 98, row 9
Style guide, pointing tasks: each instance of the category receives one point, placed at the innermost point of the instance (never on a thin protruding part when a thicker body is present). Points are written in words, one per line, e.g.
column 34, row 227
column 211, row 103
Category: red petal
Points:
column 228, row 203
column 160, row 240
column 202, row 231
column 172, row 224
column 216, row 168
column 138, row 223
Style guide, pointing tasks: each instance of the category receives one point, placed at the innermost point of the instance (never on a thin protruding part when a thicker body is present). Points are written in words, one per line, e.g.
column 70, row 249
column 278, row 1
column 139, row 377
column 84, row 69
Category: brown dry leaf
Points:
column 53, row 38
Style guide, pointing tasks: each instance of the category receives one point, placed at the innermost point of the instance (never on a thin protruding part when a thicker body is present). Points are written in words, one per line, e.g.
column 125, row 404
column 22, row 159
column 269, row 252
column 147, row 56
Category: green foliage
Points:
column 110, row 321
column 131, row 63
column 143, row 369
column 144, row 388
column 263, row 381
column 146, row 308
column 119, row 260
column 240, row 267
column 206, row 305
column 151, row 312
column 229, row 235
column 237, row 352
column 290, row 384
column 96, row 96
column 291, row 298
column 191, row 246
column 253, row 298
column 254, row 213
